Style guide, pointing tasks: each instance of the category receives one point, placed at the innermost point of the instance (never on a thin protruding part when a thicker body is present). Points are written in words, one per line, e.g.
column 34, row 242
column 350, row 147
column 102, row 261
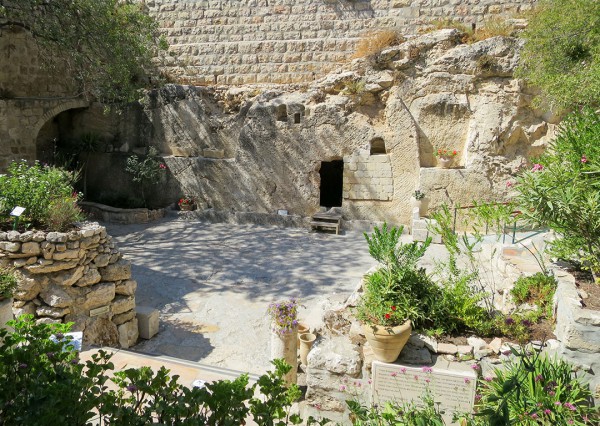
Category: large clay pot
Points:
column 445, row 162
column 306, row 342
column 387, row 342
column 285, row 345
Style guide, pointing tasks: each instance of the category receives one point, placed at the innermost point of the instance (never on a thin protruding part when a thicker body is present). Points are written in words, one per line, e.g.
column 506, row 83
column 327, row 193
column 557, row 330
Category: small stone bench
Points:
column 327, row 220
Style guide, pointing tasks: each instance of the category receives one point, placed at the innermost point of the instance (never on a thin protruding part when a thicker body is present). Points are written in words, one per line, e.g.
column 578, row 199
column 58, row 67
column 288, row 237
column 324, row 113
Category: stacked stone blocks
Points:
column 77, row 276
column 368, row 177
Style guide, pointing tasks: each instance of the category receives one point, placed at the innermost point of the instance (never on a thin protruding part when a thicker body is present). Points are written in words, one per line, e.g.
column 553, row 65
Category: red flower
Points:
column 387, row 316
column 162, row 166
column 454, row 152
column 393, row 308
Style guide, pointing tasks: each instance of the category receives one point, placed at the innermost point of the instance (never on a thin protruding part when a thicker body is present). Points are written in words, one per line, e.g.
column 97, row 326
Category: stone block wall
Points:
column 239, row 42
column 368, row 177
column 77, row 276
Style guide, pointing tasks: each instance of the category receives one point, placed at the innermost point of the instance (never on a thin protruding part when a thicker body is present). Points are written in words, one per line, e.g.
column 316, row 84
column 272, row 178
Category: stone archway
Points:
column 46, row 129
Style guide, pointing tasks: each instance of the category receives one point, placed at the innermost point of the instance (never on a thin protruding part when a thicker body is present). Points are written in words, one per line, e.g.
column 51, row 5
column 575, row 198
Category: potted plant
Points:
column 8, row 283
column 284, row 334
column 445, row 157
column 392, row 295
column 186, row 204
column 418, row 201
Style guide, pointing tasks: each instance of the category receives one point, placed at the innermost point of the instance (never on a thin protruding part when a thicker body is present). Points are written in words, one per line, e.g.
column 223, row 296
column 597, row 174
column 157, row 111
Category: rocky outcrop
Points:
column 77, row 276
column 260, row 149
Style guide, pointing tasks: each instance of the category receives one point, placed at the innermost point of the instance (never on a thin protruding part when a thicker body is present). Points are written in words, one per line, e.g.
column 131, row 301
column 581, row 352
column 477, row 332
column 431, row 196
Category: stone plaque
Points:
column 453, row 391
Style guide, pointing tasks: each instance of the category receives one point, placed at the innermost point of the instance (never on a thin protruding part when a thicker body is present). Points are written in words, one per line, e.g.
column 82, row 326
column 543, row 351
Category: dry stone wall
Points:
column 288, row 41
column 77, row 276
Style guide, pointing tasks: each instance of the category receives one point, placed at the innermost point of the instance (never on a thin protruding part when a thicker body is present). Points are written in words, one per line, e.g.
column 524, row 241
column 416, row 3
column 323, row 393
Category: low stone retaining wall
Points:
column 577, row 330
column 123, row 216
column 77, row 276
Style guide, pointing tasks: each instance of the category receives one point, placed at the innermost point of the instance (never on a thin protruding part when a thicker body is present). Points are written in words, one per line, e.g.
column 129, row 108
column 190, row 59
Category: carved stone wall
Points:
column 287, row 41
column 77, row 276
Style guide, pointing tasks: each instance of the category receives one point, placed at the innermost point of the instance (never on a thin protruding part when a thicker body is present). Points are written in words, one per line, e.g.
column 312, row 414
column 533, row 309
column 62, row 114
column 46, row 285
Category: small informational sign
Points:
column 76, row 340
column 282, row 212
column 452, row 391
column 99, row 311
column 17, row 211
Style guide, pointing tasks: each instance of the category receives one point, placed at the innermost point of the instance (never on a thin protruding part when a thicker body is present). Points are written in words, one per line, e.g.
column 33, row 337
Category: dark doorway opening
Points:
column 332, row 182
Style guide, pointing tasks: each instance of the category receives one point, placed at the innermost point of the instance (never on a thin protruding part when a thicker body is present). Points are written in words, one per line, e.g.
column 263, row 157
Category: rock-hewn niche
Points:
column 77, row 276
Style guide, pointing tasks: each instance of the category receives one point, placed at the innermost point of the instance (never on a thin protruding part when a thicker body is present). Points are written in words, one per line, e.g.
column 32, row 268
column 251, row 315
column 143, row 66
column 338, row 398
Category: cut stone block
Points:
column 422, row 234
column 148, row 321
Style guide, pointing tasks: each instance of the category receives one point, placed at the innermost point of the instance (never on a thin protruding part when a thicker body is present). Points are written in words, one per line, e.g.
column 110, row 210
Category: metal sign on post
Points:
column 16, row 213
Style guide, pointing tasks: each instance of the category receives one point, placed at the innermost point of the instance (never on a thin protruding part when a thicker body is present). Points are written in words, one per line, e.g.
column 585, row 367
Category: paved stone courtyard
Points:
column 212, row 283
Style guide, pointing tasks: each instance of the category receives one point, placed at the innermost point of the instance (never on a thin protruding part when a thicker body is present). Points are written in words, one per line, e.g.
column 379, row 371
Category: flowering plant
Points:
column 446, row 153
column 284, row 316
column 187, row 201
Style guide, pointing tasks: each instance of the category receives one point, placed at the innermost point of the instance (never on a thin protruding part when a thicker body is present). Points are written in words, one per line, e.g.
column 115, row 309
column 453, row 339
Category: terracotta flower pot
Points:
column 306, row 342
column 387, row 342
column 445, row 162
column 285, row 345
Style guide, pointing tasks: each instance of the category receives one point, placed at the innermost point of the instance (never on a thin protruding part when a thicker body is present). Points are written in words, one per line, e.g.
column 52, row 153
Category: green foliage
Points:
column 399, row 289
column 562, row 52
column 537, row 289
column 147, row 171
column 532, row 390
column 394, row 414
column 104, row 46
column 63, row 212
column 8, row 282
column 37, row 188
column 43, row 383
column 562, row 191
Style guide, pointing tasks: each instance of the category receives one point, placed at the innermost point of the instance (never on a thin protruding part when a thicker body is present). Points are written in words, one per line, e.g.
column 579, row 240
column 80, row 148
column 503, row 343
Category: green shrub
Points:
column 399, row 289
column 8, row 282
column 533, row 390
column 147, row 171
column 34, row 187
column 43, row 383
column 562, row 190
column 537, row 289
column 63, row 212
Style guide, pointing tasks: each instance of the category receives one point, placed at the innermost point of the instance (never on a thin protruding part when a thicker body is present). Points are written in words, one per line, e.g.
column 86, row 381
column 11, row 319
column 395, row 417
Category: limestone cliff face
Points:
column 260, row 149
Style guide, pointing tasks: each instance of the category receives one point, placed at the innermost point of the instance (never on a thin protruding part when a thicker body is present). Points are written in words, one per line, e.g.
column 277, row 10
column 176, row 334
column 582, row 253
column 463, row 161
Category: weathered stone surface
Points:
column 122, row 304
column 48, row 249
column 413, row 355
column 45, row 268
column 101, row 260
column 67, row 278
column 126, row 287
column 10, row 247
column 101, row 331
column 336, row 355
column 148, row 321
column 29, row 286
column 56, row 296
column 47, row 311
column 92, row 276
column 496, row 344
column 28, row 308
column 99, row 295
column 47, row 320
column 128, row 333
column 124, row 317
column 66, row 254
column 56, row 237
column 31, row 248
column 120, row 270
column 447, row 348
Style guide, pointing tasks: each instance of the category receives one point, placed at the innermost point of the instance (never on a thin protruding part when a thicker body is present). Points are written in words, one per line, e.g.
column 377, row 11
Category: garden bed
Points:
column 110, row 214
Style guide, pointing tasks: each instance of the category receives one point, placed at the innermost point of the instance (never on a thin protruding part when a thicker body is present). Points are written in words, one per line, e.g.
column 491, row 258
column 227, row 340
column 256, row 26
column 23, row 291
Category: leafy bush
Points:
column 43, row 383
column 8, row 283
column 147, row 171
column 400, row 289
column 537, row 289
column 532, row 390
column 63, row 212
column 562, row 190
column 36, row 188
column 561, row 55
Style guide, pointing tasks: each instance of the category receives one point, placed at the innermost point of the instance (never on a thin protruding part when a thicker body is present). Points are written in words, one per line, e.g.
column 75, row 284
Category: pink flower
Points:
column 537, row 167
column 467, row 381
column 427, row 369
column 539, row 377
column 510, row 184
column 403, row 370
column 394, row 374
column 570, row 406
column 427, row 380
column 342, row 388
column 547, row 411
column 475, row 367
column 162, row 166
column 557, row 403
column 534, row 416
column 478, row 397
column 584, row 159
column 416, row 377
column 488, row 378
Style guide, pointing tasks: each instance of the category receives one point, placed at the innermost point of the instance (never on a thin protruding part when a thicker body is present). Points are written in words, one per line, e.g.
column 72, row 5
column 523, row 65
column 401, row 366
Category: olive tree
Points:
column 104, row 46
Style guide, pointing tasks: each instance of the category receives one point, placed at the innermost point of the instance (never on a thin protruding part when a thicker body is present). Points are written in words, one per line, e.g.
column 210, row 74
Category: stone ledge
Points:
column 122, row 216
